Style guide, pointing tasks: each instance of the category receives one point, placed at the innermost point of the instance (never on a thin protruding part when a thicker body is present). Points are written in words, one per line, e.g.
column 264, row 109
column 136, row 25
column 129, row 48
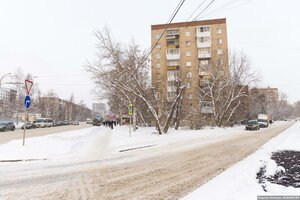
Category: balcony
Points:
column 172, row 32
column 203, row 73
column 173, row 46
column 202, row 34
column 203, row 44
column 173, row 54
column 171, row 89
column 172, row 67
column 204, row 55
column 203, row 31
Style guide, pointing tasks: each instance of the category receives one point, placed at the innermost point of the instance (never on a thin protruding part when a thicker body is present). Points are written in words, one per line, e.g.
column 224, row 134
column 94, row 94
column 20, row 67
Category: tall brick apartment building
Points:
column 185, row 53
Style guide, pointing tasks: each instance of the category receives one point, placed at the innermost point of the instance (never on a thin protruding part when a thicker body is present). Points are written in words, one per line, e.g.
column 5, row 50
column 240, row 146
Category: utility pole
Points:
column 134, row 116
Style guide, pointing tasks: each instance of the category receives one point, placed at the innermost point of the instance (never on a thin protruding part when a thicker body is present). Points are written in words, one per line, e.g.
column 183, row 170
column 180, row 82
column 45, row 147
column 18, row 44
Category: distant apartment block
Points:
column 8, row 95
column 99, row 108
column 184, row 55
column 270, row 94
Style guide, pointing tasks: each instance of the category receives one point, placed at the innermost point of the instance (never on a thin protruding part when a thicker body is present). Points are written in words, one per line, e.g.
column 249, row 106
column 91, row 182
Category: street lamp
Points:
column 3, row 77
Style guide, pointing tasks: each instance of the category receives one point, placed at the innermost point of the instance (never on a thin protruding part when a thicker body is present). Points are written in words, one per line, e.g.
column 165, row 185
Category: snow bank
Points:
column 239, row 181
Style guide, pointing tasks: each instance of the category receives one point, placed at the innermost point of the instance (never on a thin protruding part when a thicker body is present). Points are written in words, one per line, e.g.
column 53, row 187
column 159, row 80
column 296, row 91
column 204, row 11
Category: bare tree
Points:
column 225, row 89
column 122, row 74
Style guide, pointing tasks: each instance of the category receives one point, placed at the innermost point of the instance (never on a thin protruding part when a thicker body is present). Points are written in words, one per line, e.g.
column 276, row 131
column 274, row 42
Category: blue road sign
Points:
column 27, row 101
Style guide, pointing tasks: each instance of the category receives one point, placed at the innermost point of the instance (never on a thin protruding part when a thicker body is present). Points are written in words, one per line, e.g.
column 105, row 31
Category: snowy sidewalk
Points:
column 239, row 181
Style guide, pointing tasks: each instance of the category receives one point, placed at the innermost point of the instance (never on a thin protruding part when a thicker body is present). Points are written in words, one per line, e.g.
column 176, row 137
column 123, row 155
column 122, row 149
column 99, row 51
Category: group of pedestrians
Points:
column 109, row 124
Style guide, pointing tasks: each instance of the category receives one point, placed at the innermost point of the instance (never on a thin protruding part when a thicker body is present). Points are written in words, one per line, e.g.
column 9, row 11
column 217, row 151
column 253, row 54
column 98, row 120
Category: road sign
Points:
column 28, row 85
column 27, row 101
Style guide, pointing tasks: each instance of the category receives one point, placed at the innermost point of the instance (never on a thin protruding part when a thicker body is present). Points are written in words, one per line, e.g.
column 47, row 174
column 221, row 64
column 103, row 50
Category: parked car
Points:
column 89, row 121
column 57, row 123
column 44, row 122
column 4, row 126
column 29, row 125
column 75, row 123
column 252, row 125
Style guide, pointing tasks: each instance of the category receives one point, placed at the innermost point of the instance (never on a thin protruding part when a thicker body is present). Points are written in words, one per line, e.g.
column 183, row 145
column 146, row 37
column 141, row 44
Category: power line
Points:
column 170, row 21
column 196, row 10
column 227, row 7
column 200, row 13
column 203, row 10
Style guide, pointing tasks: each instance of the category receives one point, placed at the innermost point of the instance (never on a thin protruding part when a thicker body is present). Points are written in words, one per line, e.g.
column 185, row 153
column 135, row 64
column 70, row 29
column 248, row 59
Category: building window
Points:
column 219, row 30
column 157, row 65
column 188, row 63
column 157, row 36
column 187, row 33
column 173, row 32
column 203, row 39
column 220, row 41
column 173, row 63
column 188, row 85
column 171, row 96
column 220, row 62
column 203, row 29
column 158, row 76
column 158, row 46
column 204, row 65
column 189, row 95
column 189, row 75
column 220, row 51
column 221, row 73
column 204, row 50
column 188, row 53
column 172, row 51
column 173, row 75
column 187, row 43
column 157, row 56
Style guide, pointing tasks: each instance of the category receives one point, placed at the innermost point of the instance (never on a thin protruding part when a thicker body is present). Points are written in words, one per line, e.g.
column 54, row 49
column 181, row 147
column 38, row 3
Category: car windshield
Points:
column 262, row 120
column 252, row 122
column 2, row 123
column 40, row 120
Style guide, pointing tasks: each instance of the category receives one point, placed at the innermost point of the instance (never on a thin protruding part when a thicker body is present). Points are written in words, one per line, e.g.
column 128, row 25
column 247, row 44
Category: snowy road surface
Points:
column 18, row 133
column 175, row 165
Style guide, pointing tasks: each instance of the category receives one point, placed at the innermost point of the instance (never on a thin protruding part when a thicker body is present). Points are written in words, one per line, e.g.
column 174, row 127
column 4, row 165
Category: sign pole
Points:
column 24, row 127
column 130, row 126
column 130, row 114
column 27, row 102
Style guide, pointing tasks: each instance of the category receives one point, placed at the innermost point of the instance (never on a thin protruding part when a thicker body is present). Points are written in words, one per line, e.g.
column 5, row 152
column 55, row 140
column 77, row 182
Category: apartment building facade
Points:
column 8, row 95
column 183, row 56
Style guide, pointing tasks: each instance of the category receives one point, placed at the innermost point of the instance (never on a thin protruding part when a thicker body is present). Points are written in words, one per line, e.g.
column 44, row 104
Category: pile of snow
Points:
column 96, row 142
column 239, row 181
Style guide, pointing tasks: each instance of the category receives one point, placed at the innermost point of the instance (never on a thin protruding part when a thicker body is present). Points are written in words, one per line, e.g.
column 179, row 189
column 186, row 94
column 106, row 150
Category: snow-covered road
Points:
column 98, row 163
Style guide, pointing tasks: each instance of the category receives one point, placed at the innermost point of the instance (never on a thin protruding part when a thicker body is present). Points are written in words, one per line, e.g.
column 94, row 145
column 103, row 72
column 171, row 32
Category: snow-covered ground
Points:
column 69, row 151
column 96, row 142
column 239, row 181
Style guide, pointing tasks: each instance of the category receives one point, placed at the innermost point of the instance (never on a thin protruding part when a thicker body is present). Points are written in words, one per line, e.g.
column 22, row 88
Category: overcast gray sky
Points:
column 53, row 39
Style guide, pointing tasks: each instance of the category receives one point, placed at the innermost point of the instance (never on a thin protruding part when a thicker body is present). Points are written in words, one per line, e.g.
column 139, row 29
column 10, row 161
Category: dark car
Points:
column 29, row 125
column 252, row 125
column 97, row 121
column 4, row 126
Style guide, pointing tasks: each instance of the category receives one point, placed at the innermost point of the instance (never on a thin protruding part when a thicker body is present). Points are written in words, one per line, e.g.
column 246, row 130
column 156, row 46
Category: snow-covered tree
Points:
column 225, row 87
column 121, row 75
